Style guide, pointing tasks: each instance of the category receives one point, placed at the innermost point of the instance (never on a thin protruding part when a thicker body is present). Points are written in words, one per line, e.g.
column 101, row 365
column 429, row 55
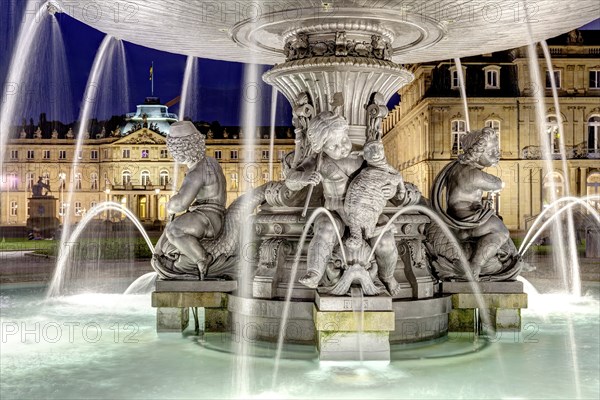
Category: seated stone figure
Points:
column 201, row 199
column 483, row 236
column 327, row 133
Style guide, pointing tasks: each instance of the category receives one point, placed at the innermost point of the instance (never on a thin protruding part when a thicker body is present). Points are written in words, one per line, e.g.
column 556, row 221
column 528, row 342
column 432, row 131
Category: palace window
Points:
column 30, row 154
column 78, row 208
column 94, row 154
column 78, row 181
column 553, row 134
column 459, row 129
column 234, row 181
column 126, row 177
column 233, row 154
column 164, row 177
column 593, row 189
column 455, row 77
column 218, row 154
column 265, row 154
column 280, row 154
column 93, row 204
column 46, row 155
column 594, row 135
column 93, row 181
column 29, row 178
column 13, row 208
column 126, row 153
column 492, row 77
column 62, row 154
column 495, row 125
column 46, row 178
column 145, row 175
column 79, row 154
column 13, row 182
column 164, row 153
column 556, row 79
column 105, row 154
column 553, row 182
column 14, row 154
column 145, row 153
column 595, row 79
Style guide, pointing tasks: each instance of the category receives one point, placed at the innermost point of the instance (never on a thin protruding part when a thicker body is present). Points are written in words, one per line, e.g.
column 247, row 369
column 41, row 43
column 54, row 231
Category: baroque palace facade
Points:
column 422, row 133
column 133, row 169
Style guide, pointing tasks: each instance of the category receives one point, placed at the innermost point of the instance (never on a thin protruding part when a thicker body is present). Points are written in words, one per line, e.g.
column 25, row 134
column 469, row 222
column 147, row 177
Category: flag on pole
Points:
column 151, row 71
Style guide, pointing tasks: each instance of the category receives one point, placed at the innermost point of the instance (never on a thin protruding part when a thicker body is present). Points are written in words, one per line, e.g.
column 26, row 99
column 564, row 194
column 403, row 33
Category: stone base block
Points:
column 189, row 299
column 221, row 286
column 326, row 302
column 172, row 319
column 483, row 287
column 348, row 321
column 214, row 303
column 461, row 320
column 490, row 300
column 216, row 320
column 506, row 319
column 353, row 346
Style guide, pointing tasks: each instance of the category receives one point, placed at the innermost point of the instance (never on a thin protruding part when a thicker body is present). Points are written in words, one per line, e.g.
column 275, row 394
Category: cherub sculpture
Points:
column 328, row 134
column 201, row 199
column 484, row 237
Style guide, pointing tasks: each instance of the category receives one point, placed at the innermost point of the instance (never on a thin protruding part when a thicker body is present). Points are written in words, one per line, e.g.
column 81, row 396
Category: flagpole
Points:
column 152, row 78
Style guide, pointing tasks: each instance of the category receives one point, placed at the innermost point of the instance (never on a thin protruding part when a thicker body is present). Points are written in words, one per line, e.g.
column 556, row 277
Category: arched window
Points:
column 553, row 134
column 459, row 129
column 145, row 176
column 143, row 207
column 594, row 136
column 554, row 181
column 162, row 208
column 93, row 181
column 455, row 78
column 492, row 77
column 495, row 125
column 126, row 175
column 164, row 178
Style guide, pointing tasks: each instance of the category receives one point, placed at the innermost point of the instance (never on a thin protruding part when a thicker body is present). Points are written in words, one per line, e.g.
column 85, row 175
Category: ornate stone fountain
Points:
column 338, row 63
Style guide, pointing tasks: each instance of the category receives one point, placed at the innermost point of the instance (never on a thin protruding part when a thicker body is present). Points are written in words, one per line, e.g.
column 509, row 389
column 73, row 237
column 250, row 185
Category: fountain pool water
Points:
column 105, row 346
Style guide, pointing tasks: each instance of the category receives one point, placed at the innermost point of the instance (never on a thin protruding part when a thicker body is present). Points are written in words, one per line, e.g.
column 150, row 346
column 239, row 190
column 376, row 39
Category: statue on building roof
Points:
column 225, row 134
column 54, row 134
column 70, row 134
column 23, row 134
column 38, row 133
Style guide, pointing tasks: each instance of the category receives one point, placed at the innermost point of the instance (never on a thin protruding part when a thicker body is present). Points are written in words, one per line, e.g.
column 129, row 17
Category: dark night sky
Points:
column 219, row 82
